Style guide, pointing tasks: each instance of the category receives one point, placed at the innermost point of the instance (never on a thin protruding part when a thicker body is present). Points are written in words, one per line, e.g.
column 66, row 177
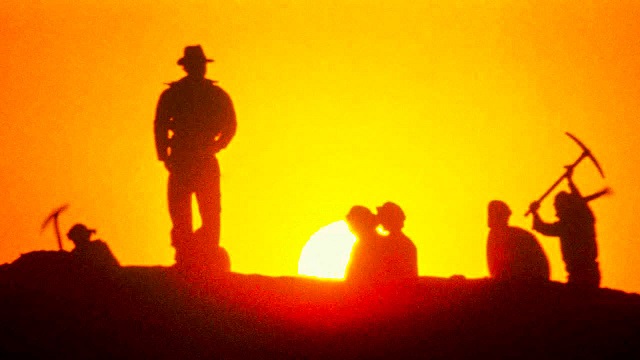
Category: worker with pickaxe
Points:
column 576, row 229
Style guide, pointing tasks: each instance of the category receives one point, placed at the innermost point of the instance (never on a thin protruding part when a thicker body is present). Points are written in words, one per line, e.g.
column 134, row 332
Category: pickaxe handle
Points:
column 57, row 226
column 569, row 168
column 54, row 217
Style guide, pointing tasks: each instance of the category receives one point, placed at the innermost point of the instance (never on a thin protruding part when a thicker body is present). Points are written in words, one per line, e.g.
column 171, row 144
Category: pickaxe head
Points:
column 586, row 153
column 54, row 217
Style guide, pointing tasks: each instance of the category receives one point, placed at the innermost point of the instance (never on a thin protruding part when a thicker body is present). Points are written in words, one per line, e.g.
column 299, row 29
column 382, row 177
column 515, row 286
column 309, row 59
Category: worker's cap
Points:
column 499, row 208
column 360, row 215
column 391, row 210
column 79, row 231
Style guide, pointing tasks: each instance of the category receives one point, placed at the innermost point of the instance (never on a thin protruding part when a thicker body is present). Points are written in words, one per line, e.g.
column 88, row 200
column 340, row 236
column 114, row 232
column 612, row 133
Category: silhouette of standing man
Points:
column 195, row 119
column 576, row 229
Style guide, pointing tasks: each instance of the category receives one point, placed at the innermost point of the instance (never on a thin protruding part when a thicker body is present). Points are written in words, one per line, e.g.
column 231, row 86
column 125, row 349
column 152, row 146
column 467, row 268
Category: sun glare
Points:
column 327, row 252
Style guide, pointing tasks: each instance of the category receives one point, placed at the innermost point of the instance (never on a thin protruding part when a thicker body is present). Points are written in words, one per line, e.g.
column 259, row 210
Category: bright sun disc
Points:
column 327, row 252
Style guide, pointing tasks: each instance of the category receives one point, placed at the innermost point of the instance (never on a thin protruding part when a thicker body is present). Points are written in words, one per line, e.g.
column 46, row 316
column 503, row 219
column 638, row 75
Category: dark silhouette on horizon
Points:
column 375, row 258
column 366, row 265
column 195, row 119
column 209, row 257
column 576, row 229
column 87, row 252
column 513, row 254
column 150, row 312
column 401, row 255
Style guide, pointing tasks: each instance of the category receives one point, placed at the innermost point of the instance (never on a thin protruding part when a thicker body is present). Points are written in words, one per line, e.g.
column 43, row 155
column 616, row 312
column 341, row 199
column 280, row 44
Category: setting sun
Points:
column 327, row 252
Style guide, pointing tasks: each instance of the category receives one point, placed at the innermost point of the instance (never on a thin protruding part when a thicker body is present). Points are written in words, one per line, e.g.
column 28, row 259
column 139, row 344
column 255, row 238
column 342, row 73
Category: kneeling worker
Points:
column 513, row 253
column 90, row 252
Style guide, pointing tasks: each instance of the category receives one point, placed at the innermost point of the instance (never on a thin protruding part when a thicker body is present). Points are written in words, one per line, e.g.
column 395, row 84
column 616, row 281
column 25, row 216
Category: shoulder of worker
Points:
column 522, row 235
column 171, row 88
column 216, row 88
column 184, row 82
column 518, row 231
column 98, row 243
column 406, row 241
column 174, row 84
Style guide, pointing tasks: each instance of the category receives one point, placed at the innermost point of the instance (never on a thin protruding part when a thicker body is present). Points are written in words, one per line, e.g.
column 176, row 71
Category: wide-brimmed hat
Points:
column 193, row 54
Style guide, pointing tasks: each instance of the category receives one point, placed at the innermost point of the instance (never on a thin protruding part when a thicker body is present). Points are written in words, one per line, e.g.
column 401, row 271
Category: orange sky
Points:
column 438, row 106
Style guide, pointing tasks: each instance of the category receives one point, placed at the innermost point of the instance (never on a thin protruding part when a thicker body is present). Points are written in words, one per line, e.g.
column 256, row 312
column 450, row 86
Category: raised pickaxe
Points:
column 54, row 217
column 586, row 153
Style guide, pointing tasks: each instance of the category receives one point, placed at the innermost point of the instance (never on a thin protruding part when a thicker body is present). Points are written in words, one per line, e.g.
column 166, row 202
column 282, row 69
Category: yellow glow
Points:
column 327, row 252
column 382, row 231
column 439, row 106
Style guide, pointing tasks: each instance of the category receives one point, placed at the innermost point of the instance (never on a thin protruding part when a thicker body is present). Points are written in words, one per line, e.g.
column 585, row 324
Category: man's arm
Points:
column 161, row 127
column 575, row 191
column 541, row 226
column 228, row 122
column 605, row 191
column 496, row 258
column 572, row 185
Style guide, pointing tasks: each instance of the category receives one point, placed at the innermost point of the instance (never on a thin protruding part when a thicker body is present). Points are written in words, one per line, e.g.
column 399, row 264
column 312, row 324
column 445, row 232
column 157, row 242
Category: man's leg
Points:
column 208, row 197
column 179, row 196
column 586, row 278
